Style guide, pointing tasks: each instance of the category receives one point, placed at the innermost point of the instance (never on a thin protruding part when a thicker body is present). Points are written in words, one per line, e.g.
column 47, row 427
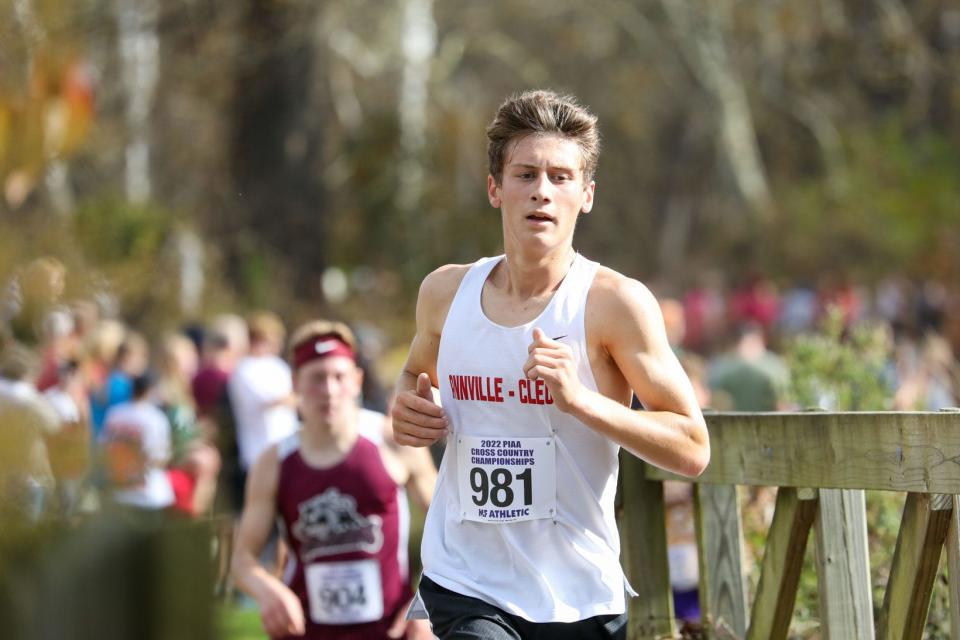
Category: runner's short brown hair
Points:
column 542, row 112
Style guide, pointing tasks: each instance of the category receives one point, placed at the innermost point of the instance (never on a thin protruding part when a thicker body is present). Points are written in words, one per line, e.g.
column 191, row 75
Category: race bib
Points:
column 507, row 480
column 345, row 592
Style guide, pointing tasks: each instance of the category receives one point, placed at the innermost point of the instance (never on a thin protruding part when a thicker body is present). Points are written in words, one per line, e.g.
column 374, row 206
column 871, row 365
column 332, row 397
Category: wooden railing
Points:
column 821, row 463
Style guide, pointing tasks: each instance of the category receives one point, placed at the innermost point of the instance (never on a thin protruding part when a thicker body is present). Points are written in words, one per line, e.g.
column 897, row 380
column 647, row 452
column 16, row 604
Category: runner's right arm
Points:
column 418, row 420
column 280, row 609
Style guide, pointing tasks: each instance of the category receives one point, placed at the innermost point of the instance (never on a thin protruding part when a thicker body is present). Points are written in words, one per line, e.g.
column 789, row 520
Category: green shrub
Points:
column 840, row 369
column 844, row 368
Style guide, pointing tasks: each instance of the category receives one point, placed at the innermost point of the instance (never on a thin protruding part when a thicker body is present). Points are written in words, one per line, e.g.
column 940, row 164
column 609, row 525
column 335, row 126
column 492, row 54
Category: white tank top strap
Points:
column 471, row 287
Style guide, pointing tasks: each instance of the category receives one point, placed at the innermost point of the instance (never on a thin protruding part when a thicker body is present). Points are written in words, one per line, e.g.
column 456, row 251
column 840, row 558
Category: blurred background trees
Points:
column 186, row 154
column 185, row 157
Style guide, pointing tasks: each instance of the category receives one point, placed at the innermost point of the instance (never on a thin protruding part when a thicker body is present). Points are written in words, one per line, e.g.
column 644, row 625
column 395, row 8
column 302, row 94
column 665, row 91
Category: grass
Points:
column 239, row 623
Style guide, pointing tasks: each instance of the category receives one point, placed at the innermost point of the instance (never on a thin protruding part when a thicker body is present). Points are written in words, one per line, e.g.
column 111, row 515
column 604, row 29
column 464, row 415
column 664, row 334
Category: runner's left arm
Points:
column 671, row 433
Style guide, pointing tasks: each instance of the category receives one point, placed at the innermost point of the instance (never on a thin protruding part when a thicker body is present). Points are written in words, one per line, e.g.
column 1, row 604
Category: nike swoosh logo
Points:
column 325, row 347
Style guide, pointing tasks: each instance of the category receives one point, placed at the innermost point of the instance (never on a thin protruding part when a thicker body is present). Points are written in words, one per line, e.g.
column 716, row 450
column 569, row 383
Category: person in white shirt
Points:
column 26, row 422
column 536, row 354
column 137, row 448
column 261, row 391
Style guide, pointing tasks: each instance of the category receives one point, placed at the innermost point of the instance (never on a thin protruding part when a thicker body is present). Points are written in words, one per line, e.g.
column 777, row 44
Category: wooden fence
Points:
column 119, row 576
column 821, row 463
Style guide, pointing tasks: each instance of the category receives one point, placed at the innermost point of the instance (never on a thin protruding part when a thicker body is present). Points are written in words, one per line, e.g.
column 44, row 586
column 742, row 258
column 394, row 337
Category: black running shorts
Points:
column 459, row 617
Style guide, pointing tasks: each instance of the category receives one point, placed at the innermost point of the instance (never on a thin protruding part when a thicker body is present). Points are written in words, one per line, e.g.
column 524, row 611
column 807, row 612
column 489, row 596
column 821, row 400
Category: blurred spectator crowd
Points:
column 95, row 415
column 732, row 339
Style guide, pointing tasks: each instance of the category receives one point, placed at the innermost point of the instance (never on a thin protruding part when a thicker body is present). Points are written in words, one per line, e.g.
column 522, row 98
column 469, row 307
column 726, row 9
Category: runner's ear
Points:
column 588, row 192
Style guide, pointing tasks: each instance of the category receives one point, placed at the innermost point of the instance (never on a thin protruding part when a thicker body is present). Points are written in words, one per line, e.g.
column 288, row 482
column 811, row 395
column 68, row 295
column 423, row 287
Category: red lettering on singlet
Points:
column 543, row 392
column 534, row 392
column 479, row 388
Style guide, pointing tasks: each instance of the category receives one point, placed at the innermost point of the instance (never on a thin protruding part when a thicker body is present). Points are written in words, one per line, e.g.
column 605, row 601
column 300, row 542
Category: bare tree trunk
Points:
column 33, row 31
column 190, row 256
column 276, row 147
column 140, row 63
column 700, row 32
column 346, row 104
column 645, row 35
column 917, row 63
column 418, row 42
column 674, row 234
column 57, row 181
column 809, row 112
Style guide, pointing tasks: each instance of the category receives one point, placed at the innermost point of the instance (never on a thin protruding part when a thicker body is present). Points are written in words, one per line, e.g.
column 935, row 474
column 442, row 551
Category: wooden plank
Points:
column 887, row 451
column 915, row 563
column 843, row 566
column 723, row 602
column 183, row 570
column 782, row 562
column 643, row 537
column 953, row 568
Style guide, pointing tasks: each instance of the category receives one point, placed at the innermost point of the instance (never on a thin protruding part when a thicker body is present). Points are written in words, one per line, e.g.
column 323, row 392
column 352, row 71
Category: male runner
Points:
column 338, row 495
column 536, row 354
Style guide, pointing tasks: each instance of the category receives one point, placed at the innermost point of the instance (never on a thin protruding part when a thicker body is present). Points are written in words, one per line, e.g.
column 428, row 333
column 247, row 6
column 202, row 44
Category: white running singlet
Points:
column 523, row 515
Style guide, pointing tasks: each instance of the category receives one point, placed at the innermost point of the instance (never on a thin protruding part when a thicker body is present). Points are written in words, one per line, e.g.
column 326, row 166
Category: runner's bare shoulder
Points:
column 614, row 295
column 438, row 289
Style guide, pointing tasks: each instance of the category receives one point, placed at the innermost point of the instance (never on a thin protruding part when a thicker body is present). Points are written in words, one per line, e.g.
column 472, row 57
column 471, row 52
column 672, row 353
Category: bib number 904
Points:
column 349, row 592
column 497, row 488
column 338, row 597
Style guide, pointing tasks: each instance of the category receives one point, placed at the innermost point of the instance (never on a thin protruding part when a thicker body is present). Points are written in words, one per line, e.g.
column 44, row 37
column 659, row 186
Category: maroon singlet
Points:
column 345, row 527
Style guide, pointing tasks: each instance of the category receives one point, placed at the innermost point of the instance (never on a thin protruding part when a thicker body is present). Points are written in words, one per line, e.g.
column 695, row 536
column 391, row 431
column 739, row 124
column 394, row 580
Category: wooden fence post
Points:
column 723, row 602
column 843, row 566
column 644, row 541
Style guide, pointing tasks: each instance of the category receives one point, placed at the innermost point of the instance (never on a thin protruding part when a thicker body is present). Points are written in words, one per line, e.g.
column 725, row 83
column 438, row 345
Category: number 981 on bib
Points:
column 506, row 479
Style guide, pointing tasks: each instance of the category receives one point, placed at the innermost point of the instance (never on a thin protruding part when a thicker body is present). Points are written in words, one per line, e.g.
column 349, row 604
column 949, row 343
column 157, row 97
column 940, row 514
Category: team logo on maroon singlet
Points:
column 330, row 524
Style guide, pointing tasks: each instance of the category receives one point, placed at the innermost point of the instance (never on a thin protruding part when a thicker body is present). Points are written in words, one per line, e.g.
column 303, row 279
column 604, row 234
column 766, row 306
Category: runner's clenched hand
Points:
column 418, row 421
column 552, row 361
column 281, row 613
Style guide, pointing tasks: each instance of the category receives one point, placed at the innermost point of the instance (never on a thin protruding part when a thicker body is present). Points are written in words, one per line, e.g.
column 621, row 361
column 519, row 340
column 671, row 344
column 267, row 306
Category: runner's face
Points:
column 328, row 388
column 542, row 191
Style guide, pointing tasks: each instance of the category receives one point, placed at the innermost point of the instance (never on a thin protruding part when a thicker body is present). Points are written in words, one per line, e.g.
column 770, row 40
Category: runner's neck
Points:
column 522, row 277
column 327, row 445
